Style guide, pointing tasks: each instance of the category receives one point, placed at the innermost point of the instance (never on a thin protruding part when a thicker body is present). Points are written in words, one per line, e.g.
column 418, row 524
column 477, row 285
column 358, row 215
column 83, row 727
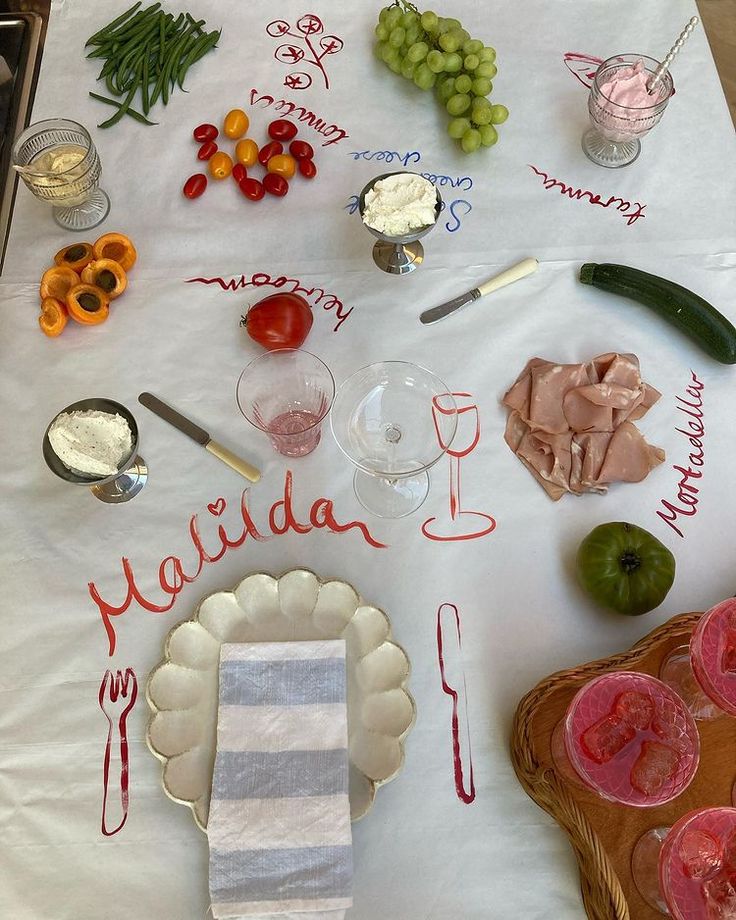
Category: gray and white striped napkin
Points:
column 279, row 821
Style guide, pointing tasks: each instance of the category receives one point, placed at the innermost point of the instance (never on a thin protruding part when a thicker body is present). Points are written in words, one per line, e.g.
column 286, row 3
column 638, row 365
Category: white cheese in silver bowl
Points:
column 400, row 203
column 91, row 443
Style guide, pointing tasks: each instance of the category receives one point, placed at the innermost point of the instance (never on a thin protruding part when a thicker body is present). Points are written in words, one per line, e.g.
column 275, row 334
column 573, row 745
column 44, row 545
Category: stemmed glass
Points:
column 123, row 485
column 689, row 870
column 613, row 138
column 461, row 524
column 397, row 255
column 59, row 163
column 382, row 421
column 629, row 738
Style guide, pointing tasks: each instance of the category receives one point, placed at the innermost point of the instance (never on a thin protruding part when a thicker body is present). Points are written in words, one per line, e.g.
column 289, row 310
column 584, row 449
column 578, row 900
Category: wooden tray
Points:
column 603, row 834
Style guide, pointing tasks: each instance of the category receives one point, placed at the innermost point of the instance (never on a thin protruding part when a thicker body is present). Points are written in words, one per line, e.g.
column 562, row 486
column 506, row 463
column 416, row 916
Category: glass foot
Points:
column 397, row 259
column 125, row 486
column 466, row 525
column 645, row 867
column 677, row 672
column 84, row 216
column 390, row 498
column 612, row 154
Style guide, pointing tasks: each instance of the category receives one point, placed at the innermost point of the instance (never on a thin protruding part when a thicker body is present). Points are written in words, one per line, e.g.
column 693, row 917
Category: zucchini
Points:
column 682, row 308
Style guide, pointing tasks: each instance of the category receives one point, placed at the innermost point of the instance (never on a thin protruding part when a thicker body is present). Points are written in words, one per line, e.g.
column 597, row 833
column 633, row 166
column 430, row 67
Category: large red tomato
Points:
column 279, row 321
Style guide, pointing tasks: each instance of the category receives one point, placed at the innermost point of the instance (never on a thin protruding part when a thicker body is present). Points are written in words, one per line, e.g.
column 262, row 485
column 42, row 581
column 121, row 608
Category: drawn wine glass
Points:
column 460, row 525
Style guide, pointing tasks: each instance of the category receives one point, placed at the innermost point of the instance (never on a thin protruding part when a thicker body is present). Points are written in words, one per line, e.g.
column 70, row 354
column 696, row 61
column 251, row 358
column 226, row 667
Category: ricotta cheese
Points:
column 91, row 443
column 399, row 204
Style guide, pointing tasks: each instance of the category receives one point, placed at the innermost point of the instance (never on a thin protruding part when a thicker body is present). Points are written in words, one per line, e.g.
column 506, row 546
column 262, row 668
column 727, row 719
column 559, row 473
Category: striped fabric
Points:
column 279, row 822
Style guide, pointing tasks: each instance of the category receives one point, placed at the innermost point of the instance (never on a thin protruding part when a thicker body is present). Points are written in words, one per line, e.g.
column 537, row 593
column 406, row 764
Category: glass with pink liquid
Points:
column 287, row 394
column 629, row 738
column 689, row 870
column 704, row 674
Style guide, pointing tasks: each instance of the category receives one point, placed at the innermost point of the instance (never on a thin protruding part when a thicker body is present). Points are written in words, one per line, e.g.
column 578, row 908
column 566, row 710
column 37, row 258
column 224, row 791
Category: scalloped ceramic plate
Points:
column 182, row 689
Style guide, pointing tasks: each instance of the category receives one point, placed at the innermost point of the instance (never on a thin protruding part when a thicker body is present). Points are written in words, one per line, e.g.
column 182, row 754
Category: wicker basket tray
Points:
column 603, row 834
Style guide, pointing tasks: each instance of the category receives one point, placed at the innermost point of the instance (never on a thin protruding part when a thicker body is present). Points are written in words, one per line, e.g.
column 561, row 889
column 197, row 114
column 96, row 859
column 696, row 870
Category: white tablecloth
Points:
column 422, row 853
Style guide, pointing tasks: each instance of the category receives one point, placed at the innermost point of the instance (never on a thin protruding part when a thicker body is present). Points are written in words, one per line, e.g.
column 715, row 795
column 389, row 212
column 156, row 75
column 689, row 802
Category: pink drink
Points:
column 294, row 433
column 697, row 866
column 713, row 654
column 631, row 739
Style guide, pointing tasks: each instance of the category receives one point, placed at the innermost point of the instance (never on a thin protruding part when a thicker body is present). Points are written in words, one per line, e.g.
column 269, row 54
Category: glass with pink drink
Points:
column 704, row 674
column 689, row 870
column 628, row 737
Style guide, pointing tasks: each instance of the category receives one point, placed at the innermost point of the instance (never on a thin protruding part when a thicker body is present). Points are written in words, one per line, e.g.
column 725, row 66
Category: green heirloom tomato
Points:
column 624, row 567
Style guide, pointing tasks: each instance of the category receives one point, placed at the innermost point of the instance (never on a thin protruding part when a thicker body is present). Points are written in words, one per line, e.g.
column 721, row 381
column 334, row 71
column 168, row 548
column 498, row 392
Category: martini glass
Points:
column 382, row 421
column 704, row 673
column 459, row 524
column 688, row 871
column 132, row 475
column 629, row 738
column 397, row 255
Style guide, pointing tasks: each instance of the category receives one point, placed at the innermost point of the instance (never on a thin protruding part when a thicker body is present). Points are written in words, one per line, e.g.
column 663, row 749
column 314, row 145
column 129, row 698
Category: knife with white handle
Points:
column 515, row 273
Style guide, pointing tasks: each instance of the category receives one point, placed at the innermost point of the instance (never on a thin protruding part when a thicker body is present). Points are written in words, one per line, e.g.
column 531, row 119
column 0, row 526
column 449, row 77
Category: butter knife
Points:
column 515, row 273
column 199, row 435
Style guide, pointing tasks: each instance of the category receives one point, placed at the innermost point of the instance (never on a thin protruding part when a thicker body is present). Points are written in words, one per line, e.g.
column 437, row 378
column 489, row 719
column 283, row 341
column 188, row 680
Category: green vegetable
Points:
column 625, row 568
column 687, row 311
column 147, row 51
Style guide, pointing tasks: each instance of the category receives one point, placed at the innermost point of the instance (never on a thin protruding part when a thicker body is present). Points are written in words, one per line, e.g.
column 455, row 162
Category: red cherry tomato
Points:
column 275, row 185
column 195, row 185
column 279, row 321
column 239, row 173
column 270, row 150
column 307, row 169
column 252, row 189
column 282, row 130
column 207, row 150
column 204, row 133
column 301, row 150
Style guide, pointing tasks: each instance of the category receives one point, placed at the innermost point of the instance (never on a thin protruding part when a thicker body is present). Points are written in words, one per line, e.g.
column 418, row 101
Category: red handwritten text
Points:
column 317, row 296
column 299, row 113
column 117, row 697
column 172, row 575
column 579, row 194
column 687, row 493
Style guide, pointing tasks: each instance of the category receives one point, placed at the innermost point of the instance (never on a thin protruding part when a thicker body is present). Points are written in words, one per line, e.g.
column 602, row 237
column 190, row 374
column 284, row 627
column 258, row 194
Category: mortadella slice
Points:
column 629, row 458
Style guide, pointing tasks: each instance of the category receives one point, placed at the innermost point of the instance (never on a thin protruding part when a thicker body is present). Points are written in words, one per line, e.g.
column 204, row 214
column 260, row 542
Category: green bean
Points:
column 114, row 119
column 136, row 22
column 144, row 84
column 201, row 47
column 132, row 112
column 113, row 25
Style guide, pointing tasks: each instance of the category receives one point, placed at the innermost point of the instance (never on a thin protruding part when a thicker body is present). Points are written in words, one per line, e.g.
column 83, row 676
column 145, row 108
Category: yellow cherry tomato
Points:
column 235, row 124
column 246, row 151
column 220, row 165
column 283, row 165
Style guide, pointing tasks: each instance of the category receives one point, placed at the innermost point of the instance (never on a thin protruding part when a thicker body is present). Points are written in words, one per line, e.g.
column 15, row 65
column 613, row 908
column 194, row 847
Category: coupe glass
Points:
column 79, row 203
column 613, row 139
column 287, row 394
column 688, row 871
column 629, row 738
column 459, row 523
column 133, row 472
column 397, row 255
column 382, row 421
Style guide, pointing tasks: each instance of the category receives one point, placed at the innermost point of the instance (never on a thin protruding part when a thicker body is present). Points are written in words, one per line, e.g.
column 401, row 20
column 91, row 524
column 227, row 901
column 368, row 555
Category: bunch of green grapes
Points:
column 437, row 53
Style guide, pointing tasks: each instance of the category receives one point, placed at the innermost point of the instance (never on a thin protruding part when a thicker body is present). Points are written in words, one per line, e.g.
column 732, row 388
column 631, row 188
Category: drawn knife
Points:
column 199, row 435
column 515, row 273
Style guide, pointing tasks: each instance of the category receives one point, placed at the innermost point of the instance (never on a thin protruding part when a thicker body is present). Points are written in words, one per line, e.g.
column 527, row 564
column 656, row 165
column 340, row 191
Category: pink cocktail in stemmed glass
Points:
column 629, row 738
column 689, row 870
column 704, row 674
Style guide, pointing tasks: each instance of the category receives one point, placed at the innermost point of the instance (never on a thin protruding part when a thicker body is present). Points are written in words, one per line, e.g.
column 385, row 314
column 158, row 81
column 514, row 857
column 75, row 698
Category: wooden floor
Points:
column 719, row 19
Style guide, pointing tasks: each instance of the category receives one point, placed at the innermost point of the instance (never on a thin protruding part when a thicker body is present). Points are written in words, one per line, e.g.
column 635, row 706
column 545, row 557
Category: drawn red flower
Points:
column 331, row 44
column 310, row 24
column 297, row 80
column 277, row 28
column 288, row 54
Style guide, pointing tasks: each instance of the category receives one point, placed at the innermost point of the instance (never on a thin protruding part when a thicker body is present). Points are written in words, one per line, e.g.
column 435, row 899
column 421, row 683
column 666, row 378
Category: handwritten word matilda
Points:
column 298, row 112
column 687, row 494
column 579, row 194
column 316, row 295
column 172, row 576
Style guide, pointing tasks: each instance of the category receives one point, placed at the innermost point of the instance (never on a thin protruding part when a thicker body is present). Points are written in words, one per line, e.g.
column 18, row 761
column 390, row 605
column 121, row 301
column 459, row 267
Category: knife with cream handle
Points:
column 515, row 273
column 199, row 435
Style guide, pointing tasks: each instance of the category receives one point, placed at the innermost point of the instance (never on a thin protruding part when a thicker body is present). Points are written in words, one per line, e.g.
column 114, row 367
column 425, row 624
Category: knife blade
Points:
column 202, row 437
column 515, row 273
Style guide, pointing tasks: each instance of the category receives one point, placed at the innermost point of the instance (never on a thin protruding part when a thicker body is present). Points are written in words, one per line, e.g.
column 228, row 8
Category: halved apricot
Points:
column 58, row 281
column 88, row 304
column 75, row 256
column 53, row 316
column 106, row 274
column 118, row 247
